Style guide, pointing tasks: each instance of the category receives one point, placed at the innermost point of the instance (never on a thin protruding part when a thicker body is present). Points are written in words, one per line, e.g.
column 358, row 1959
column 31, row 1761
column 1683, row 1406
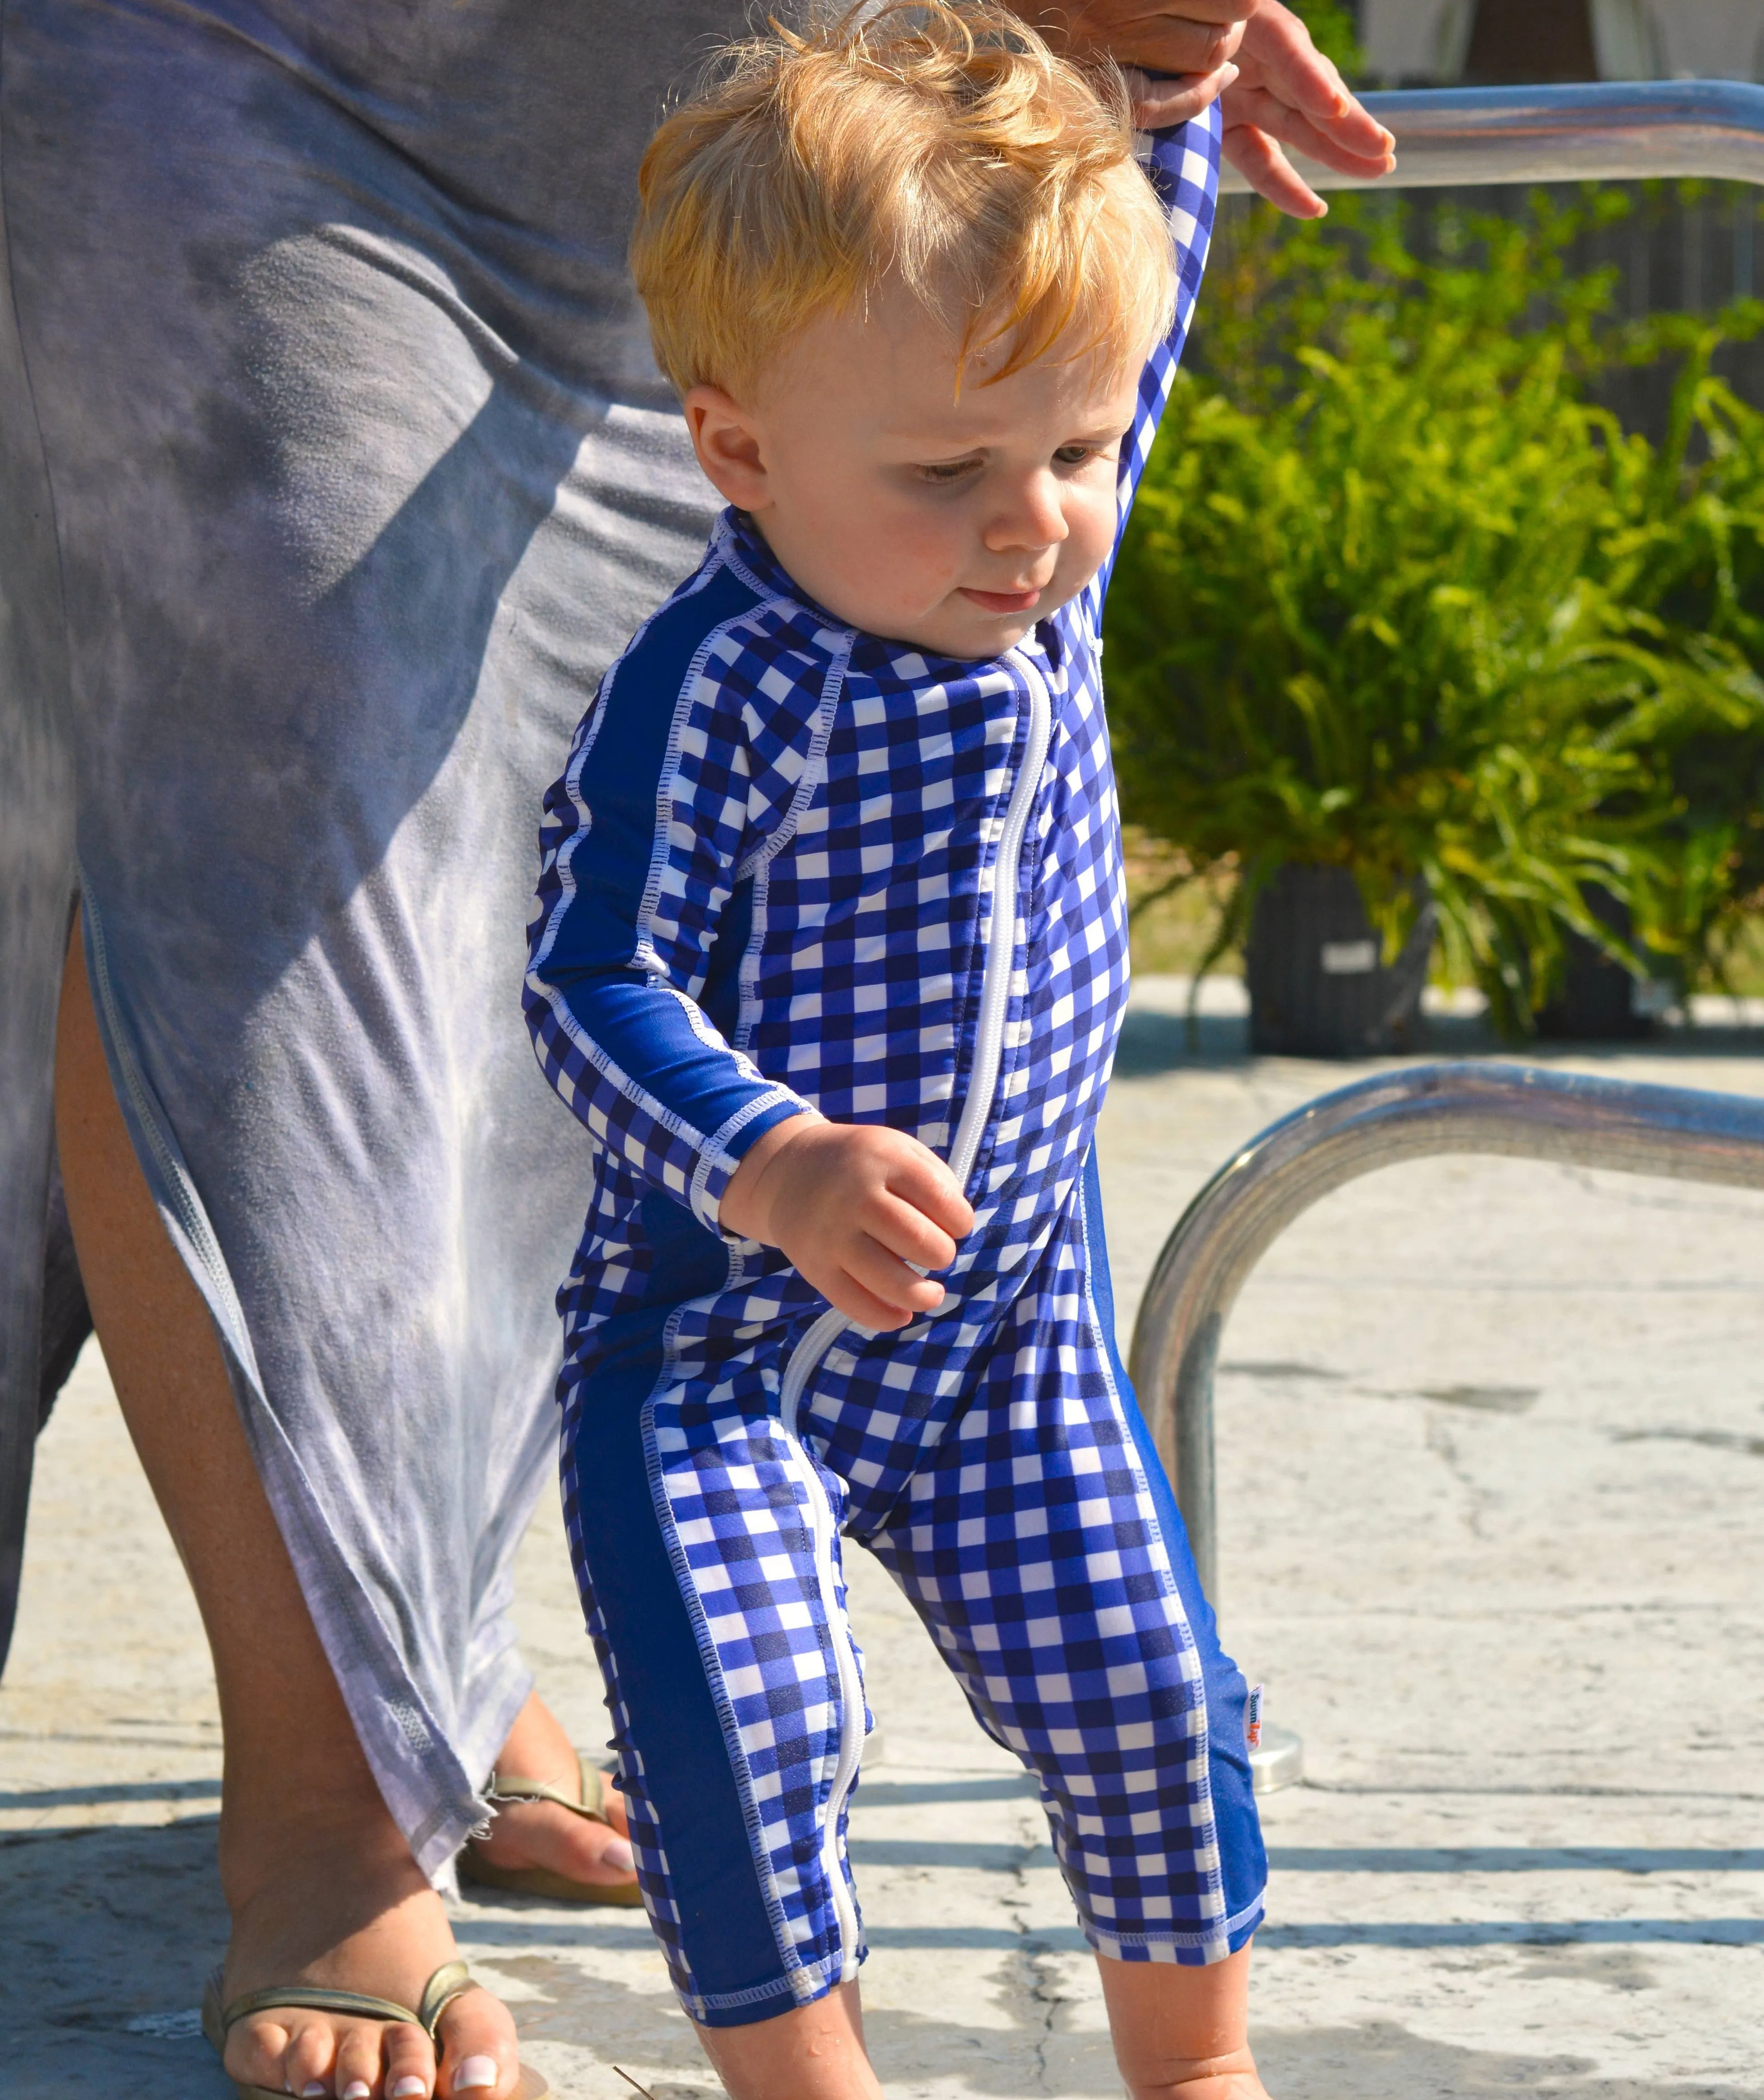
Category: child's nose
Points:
column 1035, row 519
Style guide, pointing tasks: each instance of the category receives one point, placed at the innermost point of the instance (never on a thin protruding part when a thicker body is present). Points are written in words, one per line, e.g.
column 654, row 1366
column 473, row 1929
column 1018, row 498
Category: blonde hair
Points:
column 943, row 144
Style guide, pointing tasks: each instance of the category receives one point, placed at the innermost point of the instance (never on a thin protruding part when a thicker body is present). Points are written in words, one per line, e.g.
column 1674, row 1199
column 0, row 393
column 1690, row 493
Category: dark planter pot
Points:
column 1317, row 988
column 1599, row 1001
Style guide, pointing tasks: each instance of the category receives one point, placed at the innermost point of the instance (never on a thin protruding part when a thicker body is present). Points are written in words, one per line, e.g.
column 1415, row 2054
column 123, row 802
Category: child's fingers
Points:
column 904, row 1229
column 887, row 1277
column 923, row 1180
column 843, row 1289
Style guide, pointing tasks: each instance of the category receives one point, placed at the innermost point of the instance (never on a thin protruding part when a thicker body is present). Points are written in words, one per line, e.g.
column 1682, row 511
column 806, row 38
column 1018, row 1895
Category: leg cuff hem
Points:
column 766, row 2001
column 1193, row 1950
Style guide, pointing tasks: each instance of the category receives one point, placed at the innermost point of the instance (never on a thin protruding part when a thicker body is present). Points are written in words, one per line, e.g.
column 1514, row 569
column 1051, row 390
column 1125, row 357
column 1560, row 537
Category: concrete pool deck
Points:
column 1492, row 1486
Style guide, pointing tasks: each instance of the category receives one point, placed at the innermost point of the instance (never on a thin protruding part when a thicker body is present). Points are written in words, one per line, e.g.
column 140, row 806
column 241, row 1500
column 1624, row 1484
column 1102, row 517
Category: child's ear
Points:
column 727, row 443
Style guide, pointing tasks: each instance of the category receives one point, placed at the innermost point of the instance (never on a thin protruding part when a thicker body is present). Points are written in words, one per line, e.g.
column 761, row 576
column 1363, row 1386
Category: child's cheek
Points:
column 1091, row 523
column 927, row 555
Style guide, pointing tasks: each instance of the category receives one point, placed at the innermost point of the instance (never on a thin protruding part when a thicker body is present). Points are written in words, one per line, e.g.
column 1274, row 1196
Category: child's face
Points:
column 953, row 523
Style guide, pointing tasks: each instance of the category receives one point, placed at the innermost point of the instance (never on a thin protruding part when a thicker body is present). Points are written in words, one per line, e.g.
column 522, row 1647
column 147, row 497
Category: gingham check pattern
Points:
column 859, row 790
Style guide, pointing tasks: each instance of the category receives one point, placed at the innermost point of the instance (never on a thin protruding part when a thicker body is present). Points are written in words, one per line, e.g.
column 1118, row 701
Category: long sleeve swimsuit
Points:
column 792, row 866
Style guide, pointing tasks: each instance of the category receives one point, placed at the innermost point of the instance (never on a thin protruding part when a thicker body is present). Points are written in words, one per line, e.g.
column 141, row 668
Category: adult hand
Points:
column 1256, row 58
column 1287, row 93
column 1189, row 43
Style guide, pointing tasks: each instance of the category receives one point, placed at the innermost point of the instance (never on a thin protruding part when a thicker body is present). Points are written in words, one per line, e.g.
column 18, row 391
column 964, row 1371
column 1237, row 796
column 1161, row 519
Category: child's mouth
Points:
column 1020, row 601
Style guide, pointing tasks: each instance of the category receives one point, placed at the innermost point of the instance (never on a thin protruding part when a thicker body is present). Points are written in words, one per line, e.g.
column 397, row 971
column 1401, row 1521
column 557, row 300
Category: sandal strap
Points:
column 590, row 1802
column 308, row 1998
column 452, row 1980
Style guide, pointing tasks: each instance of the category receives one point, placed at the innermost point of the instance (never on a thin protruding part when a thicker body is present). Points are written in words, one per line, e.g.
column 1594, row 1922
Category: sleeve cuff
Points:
column 730, row 1145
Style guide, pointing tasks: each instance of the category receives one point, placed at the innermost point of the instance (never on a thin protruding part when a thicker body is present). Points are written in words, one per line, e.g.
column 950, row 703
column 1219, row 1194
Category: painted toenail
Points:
column 358, row 2089
column 475, row 2072
column 407, row 2089
column 618, row 1853
column 315, row 2091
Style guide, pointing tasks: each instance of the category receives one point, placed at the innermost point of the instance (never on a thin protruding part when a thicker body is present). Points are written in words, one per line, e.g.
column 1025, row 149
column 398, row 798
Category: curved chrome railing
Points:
column 1604, row 130
column 1412, row 1112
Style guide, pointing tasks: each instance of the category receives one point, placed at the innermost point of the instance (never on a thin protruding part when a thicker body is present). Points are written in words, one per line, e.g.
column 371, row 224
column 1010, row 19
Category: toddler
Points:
column 830, row 955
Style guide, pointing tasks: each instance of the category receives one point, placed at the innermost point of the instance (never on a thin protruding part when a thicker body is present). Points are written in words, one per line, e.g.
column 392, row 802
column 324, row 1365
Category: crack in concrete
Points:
column 1035, row 1960
column 1044, row 1991
column 1478, row 1500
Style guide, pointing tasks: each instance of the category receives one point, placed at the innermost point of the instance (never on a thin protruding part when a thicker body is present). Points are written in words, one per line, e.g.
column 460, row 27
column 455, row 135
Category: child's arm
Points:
column 1183, row 169
column 664, row 804
column 642, row 843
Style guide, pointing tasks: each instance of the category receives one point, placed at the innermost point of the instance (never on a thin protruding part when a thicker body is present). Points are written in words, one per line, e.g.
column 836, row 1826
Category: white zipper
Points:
column 976, row 1109
column 1001, row 946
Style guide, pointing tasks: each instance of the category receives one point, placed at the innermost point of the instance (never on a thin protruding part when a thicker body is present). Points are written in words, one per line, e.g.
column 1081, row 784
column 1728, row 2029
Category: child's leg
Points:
column 1039, row 1541
column 816, row 2052
column 1181, row 2032
column 704, row 1543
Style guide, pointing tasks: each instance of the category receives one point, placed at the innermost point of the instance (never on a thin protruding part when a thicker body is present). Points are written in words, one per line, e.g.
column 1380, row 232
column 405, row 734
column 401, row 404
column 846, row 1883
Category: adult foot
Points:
column 540, row 1833
column 346, row 1908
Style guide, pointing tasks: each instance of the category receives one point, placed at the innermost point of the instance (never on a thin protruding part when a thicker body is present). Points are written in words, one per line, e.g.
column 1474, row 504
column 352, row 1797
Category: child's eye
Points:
column 1074, row 455
column 945, row 472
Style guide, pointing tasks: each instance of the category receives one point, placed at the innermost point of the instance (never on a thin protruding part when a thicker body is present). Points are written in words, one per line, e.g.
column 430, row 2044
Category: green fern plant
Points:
column 1393, row 600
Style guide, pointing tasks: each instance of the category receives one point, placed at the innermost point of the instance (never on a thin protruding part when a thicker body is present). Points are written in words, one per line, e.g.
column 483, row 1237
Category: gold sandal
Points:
column 449, row 1982
column 590, row 1805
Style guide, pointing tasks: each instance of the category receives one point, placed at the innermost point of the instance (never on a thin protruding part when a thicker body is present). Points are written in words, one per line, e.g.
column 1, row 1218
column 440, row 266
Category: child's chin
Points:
column 974, row 641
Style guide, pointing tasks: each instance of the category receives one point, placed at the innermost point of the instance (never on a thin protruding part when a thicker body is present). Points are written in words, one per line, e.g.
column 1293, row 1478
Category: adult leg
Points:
column 318, row 1880
column 326, row 649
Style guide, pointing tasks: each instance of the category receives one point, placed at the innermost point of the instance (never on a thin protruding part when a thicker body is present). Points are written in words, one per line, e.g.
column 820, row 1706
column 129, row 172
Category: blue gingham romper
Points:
column 788, row 865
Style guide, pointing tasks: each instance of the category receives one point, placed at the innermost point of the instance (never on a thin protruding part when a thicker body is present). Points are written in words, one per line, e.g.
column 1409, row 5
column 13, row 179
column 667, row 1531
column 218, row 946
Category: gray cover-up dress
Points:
column 333, row 468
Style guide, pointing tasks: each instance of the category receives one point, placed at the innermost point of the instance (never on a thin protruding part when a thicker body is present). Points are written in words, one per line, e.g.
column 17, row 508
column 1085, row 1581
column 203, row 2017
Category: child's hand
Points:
column 852, row 1205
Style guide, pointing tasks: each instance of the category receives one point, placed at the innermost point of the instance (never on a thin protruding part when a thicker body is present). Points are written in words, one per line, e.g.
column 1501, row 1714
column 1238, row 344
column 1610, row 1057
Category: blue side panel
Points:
column 652, row 1038
column 622, row 776
column 720, row 997
column 724, row 1940
column 1243, row 1861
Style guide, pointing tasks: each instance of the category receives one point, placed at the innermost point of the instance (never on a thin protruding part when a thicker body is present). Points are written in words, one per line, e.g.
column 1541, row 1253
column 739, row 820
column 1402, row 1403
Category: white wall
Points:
column 1722, row 39
column 1715, row 39
column 1404, row 37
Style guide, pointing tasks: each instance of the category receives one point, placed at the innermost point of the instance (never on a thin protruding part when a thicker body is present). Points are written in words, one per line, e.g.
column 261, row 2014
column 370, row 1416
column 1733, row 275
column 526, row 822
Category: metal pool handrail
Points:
column 1413, row 1112
column 1599, row 130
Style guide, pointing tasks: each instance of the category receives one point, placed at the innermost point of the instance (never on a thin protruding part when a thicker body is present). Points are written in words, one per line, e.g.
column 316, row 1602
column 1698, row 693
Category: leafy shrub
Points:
column 1399, row 598
column 1693, row 556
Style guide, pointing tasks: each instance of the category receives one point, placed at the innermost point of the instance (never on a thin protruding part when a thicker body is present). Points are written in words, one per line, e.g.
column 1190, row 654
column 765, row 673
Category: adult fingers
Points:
column 1161, row 35
column 1269, row 173
column 1353, row 147
column 1277, row 52
column 1158, row 104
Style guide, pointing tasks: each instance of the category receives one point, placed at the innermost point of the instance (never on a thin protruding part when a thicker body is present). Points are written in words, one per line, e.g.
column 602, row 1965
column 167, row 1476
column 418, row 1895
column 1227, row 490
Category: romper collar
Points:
column 741, row 541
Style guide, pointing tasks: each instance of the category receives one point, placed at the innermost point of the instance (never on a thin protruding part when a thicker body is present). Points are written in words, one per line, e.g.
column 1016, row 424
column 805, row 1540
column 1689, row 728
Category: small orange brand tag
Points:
column 1252, row 1718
